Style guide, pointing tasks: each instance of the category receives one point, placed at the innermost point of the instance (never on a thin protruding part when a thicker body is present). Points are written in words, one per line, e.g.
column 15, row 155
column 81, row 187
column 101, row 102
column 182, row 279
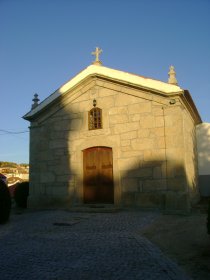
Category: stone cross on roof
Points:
column 97, row 52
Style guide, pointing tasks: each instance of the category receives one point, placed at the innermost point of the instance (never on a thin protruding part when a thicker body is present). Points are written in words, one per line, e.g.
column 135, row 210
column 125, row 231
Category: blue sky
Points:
column 44, row 43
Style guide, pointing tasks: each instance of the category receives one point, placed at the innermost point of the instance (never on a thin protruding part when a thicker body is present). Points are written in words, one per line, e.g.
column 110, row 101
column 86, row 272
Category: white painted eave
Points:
column 113, row 74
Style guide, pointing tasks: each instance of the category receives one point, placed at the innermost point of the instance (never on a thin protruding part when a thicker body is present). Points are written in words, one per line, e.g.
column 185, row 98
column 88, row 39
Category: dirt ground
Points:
column 184, row 239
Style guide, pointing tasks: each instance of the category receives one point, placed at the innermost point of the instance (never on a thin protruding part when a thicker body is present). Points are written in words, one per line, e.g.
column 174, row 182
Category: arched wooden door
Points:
column 98, row 175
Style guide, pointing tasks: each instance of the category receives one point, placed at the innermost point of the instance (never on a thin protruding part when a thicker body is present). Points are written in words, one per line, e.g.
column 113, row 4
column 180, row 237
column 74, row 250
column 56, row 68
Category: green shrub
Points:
column 5, row 203
column 208, row 220
column 21, row 194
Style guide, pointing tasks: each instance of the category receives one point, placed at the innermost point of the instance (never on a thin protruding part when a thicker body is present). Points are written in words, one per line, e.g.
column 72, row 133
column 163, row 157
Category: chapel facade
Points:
column 109, row 137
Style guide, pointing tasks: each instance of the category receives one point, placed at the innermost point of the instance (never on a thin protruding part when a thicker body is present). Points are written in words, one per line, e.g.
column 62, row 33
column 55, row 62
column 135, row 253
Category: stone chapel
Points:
column 108, row 137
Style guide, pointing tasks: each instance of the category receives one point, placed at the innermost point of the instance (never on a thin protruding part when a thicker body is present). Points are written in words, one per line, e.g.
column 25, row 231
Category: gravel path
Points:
column 61, row 245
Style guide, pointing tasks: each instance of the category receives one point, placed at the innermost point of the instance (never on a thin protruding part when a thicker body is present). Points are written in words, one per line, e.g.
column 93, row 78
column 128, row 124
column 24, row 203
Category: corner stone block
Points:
column 106, row 92
column 134, row 117
column 124, row 100
column 159, row 155
column 58, row 144
column 148, row 155
column 129, row 185
column 175, row 168
column 139, row 173
column 173, row 110
column 147, row 121
column 140, row 108
column 128, row 199
column 154, row 185
column 60, row 191
column 115, row 119
column 157, row 111
column 150, row 200
column 47, row 177
column 129, row 135
column 75, row 124
column 125, row 148
column 159, row 121
column 174, row 130
column 142, row 144
column 106, row 102
column 157, row 172
column 177, row 202
column 118, row 110
column 122, row 128
column 177, row 184
column 130, row 153
column 125, row 143
column 174, row 141
column 173, row 120
column 157, row 132
column 62, row 125
column 131, row 162
column 143, row 133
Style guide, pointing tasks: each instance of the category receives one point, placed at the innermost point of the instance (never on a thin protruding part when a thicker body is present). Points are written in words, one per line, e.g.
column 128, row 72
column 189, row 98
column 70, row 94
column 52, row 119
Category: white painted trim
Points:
column 109, row 73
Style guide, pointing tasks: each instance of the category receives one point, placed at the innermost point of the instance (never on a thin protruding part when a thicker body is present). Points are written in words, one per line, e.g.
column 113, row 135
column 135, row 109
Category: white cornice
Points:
column 113, row 74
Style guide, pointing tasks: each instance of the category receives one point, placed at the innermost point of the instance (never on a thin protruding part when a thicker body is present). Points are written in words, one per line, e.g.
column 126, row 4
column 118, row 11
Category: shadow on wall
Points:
column 203, row 147
column 156, row 184
column 52, row 178
column 57, row 180
column 98, row 189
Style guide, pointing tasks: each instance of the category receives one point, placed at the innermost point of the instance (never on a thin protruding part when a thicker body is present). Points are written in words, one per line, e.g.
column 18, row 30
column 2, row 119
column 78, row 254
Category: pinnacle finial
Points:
column 97, row 52
column 35, row 100
column 172, row 76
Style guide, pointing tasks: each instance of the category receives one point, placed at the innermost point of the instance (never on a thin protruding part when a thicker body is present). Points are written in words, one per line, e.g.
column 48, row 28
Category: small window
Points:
column 95, row 118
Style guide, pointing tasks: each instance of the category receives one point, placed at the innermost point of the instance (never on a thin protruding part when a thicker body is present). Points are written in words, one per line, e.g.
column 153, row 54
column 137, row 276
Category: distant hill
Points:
column 12, row 164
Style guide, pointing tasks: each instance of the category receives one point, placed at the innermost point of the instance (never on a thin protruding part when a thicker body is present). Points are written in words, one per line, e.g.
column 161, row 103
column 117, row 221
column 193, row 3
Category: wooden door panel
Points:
column 90, row 175
column 98, row 175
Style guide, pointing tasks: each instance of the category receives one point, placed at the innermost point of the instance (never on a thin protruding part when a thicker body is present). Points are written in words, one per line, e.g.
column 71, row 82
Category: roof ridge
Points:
column 108, row 72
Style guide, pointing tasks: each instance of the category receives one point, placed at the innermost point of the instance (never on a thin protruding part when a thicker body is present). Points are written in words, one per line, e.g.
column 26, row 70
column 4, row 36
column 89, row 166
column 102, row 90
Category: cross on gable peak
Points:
column 97, row 52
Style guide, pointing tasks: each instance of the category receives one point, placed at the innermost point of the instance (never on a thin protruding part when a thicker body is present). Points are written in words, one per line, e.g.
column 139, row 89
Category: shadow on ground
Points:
column 185, row 240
